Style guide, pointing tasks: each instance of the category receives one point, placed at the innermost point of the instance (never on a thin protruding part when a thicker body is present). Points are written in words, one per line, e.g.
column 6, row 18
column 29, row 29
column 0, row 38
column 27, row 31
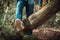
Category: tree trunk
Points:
column 38, row 18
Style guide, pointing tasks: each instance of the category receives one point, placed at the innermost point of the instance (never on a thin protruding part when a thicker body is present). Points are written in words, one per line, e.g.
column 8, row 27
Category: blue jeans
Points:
column 29, row 4
column 38, row 2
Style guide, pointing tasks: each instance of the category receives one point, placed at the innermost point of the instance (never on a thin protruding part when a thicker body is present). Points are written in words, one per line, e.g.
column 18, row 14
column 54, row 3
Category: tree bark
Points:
column 47, row 33
column 38, row 18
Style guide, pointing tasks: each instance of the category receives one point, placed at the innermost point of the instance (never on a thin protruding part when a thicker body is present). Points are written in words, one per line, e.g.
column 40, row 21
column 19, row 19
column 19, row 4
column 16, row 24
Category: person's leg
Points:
column 38, row 2
column 41, row 3
column 29, row 11
column 19, row 10
column 30, row 7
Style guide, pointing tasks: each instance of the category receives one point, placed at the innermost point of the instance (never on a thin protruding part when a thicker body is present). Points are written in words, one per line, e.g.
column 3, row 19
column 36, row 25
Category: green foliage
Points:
column 7, row 18
column 30, row 37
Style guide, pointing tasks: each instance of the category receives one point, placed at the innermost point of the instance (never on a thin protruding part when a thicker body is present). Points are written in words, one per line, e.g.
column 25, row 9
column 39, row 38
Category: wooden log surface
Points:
column 47, row 33
column 38, row 18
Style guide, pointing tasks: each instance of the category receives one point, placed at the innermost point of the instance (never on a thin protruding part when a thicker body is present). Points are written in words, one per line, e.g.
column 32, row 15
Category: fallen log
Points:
column 38, row 18
column 47, row 34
